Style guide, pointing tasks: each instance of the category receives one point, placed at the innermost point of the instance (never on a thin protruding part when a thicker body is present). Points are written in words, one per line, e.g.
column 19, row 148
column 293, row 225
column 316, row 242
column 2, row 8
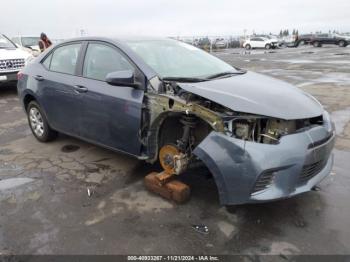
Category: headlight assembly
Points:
column 327, row 121
column 259, row 129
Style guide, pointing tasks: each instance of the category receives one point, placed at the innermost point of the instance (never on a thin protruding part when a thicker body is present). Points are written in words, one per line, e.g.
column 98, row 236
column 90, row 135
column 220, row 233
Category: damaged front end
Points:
column 252, row 157
column 272, row 163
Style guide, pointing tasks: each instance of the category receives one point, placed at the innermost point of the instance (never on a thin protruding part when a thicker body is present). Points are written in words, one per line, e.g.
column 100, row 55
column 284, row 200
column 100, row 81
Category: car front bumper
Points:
column 6, row 77
column 249, row 172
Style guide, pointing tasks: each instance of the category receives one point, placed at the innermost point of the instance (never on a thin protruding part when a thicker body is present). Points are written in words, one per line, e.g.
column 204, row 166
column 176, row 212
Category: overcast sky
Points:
column 62, row 18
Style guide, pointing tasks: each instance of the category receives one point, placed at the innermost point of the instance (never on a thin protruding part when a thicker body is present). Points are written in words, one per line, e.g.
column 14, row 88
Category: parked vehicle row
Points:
column 270, row 41
column 207, row 43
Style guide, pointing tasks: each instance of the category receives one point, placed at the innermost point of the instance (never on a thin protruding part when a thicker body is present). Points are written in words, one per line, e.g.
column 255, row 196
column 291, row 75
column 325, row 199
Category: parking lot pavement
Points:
column 70, row 197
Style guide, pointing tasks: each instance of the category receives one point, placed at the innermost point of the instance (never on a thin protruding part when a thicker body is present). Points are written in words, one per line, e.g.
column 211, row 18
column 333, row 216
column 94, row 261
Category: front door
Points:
column 111, row 115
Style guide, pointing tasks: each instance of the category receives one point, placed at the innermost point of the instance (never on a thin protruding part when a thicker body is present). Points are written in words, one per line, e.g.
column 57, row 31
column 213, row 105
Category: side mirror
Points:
column 121, row 78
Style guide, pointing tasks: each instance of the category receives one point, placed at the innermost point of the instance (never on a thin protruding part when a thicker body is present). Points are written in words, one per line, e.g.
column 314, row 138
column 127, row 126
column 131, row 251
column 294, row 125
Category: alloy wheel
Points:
column 36, row 121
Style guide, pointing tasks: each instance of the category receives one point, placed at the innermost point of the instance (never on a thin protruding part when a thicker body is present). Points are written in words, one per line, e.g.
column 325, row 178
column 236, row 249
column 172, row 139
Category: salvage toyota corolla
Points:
column 163, row 100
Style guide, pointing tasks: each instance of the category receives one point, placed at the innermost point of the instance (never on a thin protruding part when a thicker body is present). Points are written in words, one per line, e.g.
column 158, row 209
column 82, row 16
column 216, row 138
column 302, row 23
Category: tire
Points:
column 302, row 42
column 248, row 47
column 342, row 43
column 317, row 44
column 267, row 46
column 38, row 123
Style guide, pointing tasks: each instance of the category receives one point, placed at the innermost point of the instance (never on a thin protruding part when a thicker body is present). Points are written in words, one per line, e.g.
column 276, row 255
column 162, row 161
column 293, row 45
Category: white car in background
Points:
column 12, row 60
column 276, row 41
column 29, row 43
column 260, row 42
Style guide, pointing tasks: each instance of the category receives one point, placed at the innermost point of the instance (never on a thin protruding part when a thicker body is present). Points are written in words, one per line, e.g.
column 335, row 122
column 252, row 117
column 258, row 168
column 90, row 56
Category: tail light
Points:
column 20, row 75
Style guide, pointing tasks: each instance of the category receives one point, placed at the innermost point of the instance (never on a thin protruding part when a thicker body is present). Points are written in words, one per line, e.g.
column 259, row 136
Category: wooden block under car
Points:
column 172, row 190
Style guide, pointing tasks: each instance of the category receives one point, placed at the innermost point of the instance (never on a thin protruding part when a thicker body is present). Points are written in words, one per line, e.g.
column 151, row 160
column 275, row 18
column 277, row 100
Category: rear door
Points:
column 324, row 39
column 59, row 88
column 259, row 42
column 111, row 115
column 254, row 43
column 332, row 39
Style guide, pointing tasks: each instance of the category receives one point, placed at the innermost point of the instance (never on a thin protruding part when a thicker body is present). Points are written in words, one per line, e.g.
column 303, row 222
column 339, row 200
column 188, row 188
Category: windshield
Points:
column 171, row 58
column 5, row 43
column 30, row 41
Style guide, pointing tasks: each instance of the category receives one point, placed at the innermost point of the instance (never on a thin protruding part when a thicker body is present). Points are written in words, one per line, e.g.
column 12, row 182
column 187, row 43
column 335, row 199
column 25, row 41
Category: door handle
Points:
column 39, row 78
column 80, row 89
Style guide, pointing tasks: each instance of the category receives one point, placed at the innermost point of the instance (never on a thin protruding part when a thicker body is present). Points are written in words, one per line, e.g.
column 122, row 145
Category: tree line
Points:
column 285, row 32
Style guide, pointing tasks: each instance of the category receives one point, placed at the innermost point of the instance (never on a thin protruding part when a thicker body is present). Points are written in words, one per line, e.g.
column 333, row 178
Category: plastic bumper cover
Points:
column 296, row 165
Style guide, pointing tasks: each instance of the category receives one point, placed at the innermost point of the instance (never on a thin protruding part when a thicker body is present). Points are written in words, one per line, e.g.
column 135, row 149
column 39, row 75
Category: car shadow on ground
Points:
column 8, row 91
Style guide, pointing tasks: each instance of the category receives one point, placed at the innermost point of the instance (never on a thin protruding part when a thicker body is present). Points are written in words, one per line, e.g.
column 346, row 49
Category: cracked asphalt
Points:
column 71, row 197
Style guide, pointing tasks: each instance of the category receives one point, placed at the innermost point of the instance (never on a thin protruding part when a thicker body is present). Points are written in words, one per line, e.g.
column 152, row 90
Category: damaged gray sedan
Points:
column 163, row 100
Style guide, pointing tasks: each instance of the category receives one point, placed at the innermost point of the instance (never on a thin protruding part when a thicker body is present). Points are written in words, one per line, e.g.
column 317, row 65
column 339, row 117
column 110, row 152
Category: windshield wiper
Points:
column 184, row 79
column 228, row 73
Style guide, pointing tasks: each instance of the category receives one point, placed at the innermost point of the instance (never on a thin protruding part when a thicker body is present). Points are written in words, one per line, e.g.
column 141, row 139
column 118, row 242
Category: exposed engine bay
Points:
column 266, row 130
column 176, row 121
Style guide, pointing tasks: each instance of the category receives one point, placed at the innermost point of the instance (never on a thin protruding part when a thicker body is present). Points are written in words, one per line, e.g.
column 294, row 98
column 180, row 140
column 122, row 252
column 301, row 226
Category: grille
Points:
column 11, row 64
column 310, row 170
column 264, row 181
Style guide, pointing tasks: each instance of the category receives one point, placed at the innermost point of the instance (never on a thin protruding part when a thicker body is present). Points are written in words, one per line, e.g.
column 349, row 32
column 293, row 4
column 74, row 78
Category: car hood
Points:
column 15, row 53
column 258, row 94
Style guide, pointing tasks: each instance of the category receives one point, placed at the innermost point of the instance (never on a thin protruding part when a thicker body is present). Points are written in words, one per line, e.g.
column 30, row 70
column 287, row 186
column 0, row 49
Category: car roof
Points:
column 27, row 36
column 120, row 42
column 116, row 38
column 259, row 37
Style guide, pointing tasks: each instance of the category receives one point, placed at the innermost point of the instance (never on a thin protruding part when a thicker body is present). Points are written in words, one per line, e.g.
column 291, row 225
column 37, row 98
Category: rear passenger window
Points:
column 101, row 60
column 64, row 59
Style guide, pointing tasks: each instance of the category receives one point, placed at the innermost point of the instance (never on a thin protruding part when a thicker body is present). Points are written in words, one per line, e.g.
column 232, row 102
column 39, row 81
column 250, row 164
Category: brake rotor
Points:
column 166, row 158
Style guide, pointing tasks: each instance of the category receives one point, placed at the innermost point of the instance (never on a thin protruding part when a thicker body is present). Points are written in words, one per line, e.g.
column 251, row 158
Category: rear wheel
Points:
column 38, row 123
column 267, row 46
column 342, row 43
column 248, row 47
column 317, row 44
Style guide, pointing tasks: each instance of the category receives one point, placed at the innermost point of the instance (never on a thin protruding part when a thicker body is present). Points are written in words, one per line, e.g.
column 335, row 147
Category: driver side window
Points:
column 101, row 60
